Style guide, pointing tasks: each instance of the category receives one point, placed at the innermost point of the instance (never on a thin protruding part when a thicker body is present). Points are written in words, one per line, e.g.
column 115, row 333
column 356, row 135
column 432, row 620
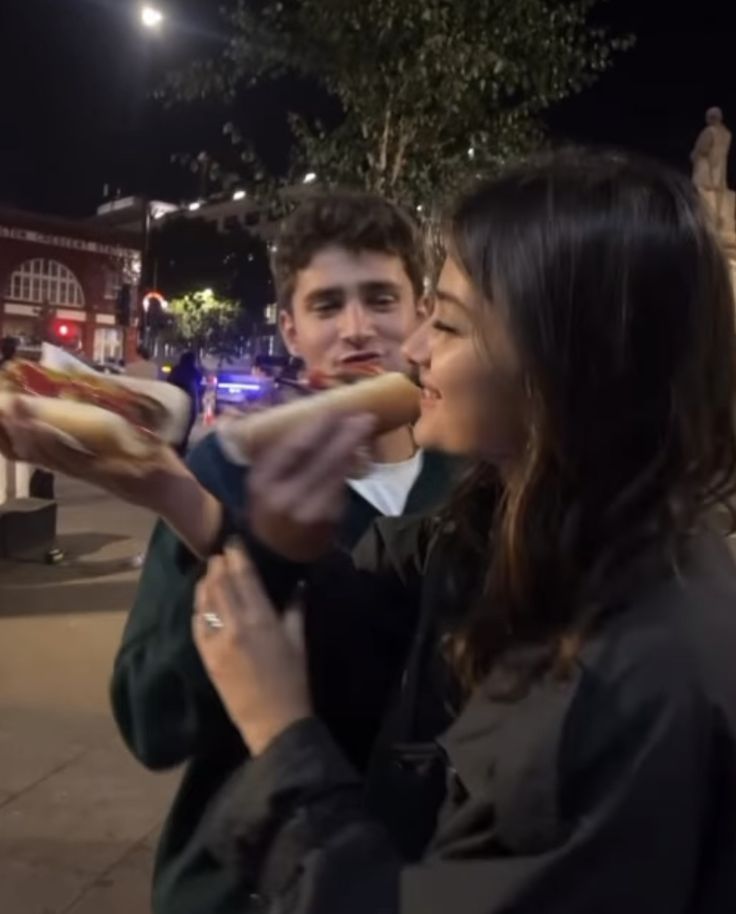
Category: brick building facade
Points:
column 60, row 281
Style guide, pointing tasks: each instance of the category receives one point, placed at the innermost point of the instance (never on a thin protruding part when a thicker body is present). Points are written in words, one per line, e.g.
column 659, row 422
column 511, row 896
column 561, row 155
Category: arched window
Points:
column 42, row 281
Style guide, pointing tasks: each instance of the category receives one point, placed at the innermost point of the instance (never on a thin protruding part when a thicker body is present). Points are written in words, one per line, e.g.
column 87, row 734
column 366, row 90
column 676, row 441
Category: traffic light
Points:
column 65, row 333
column 123, row 306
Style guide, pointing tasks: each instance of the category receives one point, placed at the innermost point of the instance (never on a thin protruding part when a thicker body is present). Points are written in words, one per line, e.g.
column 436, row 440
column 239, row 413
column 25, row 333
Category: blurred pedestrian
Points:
column 187, row 377
column 8, row 349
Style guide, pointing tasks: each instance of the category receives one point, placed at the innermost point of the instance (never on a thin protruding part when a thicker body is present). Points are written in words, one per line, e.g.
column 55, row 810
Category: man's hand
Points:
column 296, row 488
column 162, row 483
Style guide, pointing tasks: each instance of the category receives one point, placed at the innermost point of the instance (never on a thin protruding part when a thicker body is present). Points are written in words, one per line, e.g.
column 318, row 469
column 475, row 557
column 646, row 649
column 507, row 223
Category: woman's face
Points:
column 472, row 402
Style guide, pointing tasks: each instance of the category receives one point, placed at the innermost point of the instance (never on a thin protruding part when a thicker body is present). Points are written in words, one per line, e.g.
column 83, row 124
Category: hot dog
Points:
column 391, row 398
column 127, row 417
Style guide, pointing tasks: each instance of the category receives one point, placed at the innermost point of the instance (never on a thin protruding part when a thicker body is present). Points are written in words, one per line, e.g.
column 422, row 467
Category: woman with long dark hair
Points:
column 562, row 733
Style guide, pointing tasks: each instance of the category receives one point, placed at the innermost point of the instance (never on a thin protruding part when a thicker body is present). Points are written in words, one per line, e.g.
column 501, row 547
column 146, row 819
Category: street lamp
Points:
column 310, row 178
column 151, row 18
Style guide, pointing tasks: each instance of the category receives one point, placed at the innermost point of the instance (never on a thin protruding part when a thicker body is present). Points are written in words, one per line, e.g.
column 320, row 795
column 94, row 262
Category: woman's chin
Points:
column 428, row 435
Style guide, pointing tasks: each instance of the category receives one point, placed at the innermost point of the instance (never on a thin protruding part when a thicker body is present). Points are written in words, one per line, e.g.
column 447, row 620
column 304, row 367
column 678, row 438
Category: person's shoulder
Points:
column 673, row 642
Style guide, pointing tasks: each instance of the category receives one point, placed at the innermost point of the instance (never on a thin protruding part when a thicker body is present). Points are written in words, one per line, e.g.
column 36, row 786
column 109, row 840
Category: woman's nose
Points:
column 416, row 347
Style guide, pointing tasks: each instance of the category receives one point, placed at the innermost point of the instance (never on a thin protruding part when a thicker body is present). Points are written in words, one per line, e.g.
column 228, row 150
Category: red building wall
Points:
column 93, row 256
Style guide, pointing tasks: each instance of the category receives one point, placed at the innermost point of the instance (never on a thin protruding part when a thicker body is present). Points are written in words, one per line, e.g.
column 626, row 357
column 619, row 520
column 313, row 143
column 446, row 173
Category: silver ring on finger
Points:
column 213, row 621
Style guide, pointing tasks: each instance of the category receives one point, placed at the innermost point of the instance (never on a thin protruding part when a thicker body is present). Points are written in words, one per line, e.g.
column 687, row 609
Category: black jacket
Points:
column 169, row 714
column 611, row 792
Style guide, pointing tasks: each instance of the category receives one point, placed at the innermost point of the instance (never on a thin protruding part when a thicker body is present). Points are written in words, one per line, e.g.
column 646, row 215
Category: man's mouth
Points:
column 362, row 358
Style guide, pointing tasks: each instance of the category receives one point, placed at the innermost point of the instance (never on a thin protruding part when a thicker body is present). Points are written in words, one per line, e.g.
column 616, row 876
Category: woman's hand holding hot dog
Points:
column 297, row 485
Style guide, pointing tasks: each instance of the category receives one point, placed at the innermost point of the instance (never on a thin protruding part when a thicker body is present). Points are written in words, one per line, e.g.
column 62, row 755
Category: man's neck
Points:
column 394, row 447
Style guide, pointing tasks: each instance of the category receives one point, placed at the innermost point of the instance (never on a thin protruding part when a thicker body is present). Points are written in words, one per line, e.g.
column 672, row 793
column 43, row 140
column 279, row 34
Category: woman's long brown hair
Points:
column 619, row 301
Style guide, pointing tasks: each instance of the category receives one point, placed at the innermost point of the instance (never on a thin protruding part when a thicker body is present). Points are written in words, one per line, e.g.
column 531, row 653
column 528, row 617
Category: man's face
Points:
column 349, row 308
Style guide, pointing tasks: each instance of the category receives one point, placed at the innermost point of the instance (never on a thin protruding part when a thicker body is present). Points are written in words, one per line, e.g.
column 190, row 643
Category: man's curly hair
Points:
column 354, row 220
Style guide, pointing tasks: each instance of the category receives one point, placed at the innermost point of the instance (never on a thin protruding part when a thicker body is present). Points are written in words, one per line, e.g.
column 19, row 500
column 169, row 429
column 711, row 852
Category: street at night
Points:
column 367, row 457
column 78, row 817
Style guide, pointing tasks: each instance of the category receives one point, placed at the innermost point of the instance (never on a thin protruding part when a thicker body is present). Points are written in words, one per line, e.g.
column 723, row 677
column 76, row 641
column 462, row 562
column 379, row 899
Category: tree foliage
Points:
column 193, row 254
column 429, row 91
column 208, row 325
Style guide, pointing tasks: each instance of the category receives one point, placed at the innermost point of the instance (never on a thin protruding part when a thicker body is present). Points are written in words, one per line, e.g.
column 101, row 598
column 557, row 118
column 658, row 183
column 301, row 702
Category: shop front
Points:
column 65, row 282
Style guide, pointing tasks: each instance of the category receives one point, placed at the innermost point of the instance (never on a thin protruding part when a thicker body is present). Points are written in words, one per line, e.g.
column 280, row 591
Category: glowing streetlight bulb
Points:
column 151, row 17
column 310, row 178
column 196, row 205
column 239, row 195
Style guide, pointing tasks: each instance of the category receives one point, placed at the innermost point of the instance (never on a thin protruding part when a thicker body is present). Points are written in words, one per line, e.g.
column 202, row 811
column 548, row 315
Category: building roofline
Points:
column 84, row 230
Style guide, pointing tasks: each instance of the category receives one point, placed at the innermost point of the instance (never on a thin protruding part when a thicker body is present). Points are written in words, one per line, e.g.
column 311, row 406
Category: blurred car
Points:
column 238, row 389
column 29, row 352
column 108, row 367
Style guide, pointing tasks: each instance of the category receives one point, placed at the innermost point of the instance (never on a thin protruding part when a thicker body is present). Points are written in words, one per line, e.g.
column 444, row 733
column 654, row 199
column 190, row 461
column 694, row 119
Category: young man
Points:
column 349, row 277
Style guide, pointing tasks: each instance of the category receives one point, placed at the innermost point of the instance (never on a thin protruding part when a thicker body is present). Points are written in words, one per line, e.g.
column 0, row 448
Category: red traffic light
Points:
column 65, row 331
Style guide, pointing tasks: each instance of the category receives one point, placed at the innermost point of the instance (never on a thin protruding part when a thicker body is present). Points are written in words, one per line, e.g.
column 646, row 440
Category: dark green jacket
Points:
column 169, row 714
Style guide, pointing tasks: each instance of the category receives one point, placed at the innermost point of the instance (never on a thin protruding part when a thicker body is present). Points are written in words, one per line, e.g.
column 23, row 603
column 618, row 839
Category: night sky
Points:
column 75, row 78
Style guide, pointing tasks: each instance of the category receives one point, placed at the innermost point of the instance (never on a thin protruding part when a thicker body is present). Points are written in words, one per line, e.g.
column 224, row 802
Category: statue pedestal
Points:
column 722, row 206
column 27, row 528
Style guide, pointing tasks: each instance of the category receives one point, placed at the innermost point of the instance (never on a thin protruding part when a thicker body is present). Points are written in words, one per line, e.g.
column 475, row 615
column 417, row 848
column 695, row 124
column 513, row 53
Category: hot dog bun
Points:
column 392, row 398
column 89, row 428
column 127, row 417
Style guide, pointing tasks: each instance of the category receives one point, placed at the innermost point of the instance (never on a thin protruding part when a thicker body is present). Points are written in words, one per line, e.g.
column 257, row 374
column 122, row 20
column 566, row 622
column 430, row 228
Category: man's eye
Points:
column 327, row 306
column 383, row 302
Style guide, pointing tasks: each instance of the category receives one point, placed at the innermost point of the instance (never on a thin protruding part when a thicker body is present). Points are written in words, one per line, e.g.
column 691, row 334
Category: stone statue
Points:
column 710, row 155
column 710, row 170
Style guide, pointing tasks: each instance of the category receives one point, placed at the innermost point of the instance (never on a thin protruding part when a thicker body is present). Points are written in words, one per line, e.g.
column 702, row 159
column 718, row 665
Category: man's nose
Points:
column 356, row 324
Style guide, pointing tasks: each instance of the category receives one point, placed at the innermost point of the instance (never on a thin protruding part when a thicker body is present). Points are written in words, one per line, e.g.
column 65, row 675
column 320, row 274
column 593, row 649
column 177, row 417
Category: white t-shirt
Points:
column 386, row 486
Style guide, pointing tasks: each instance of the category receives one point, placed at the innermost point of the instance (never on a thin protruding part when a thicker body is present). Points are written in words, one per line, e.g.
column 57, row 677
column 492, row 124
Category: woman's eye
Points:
column 442, row 327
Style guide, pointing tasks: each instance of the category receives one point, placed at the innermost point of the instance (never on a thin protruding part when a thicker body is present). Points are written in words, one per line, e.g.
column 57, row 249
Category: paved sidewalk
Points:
column 78, row 816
